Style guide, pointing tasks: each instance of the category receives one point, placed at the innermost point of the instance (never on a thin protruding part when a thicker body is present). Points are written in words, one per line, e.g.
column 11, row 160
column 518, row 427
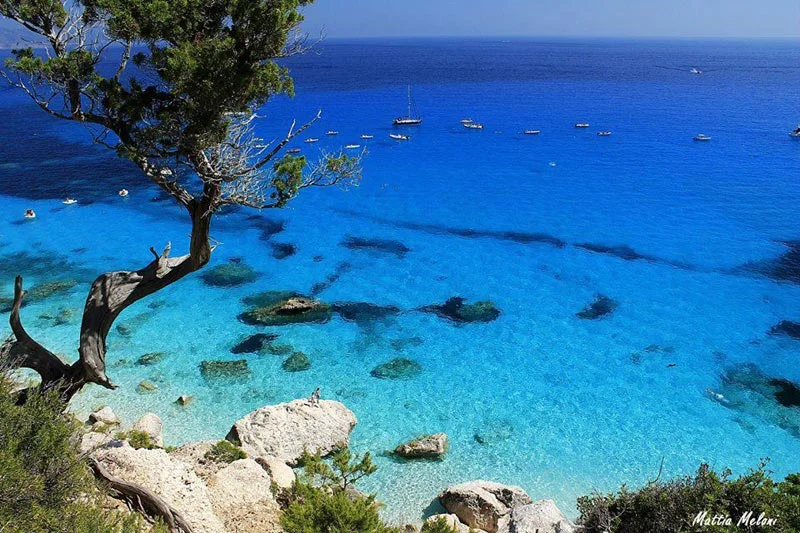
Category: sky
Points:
column 549, row 18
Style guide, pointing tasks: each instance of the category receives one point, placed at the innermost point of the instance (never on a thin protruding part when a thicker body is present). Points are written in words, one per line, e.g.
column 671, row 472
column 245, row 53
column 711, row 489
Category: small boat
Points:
column 582, row 125
column 532, row 132
column 466, row 121
column 311, row 140
column 293, row 151
column 399, row 136
column 473, row 126
column 30, row 214
column 366, row 137
column 352, row 146
column 696, row 71
column 331, row 132
column 409, row 119
column 796, row 132
column 69, row 201
column 702, row 137
column 123, row 193
column 604, row 134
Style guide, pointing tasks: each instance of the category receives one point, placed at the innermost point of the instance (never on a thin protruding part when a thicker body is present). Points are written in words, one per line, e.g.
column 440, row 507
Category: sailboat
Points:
column 409, row 119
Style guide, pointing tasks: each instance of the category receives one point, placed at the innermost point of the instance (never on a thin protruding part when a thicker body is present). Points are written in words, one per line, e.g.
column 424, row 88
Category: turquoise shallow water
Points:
column 567, row 405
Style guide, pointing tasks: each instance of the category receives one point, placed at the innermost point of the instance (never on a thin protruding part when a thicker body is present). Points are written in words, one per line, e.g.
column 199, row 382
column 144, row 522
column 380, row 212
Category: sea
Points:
column 642, row 279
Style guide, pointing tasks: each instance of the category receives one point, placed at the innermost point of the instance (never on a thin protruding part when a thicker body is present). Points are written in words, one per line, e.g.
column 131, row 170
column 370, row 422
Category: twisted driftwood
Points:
column 142, row 499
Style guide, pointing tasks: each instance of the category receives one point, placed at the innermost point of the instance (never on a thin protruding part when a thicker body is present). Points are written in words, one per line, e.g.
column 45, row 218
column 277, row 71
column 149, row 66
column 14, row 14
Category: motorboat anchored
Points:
column 466, row 121
column 473, row 126
column 702, row 137
column 311, row 140
column 532, row 132
column 293, row 151
column 604, row 134
column 410, row 119
column 366, row 137
column 795, row 132
column 352, row 146
column 399, row 136
column 582, row 125
column 332, row 132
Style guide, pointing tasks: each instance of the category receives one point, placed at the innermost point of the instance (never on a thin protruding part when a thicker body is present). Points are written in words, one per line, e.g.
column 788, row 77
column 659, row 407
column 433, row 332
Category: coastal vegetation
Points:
column 179, row 103
column 708, row 501
column 46, row 484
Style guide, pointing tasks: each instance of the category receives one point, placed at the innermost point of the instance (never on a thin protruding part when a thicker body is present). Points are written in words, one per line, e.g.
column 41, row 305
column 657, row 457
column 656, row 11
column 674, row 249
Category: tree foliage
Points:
column 673, row 506
column 45, row 485
column 174, row 86
column 324, row 500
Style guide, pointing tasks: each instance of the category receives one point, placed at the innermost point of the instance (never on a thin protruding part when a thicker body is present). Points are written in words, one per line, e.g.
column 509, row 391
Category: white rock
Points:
column 241, row 496
column 280, row 473
column 194, row 455
column 171, row 479
column 425, row 447
column 452, row 521
column 152, row 426
column 285, row 430
column 542, row 516
column 92, row 440
column 104, row 415
column 482, row 504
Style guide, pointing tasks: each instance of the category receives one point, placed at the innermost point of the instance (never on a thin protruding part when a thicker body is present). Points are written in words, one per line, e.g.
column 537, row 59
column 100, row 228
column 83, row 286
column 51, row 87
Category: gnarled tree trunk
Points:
column 110, row 294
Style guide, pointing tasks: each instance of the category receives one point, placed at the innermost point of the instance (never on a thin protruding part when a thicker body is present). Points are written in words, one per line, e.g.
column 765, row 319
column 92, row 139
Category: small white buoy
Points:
column 552, row 163
column 123, row 193
column 30, row 213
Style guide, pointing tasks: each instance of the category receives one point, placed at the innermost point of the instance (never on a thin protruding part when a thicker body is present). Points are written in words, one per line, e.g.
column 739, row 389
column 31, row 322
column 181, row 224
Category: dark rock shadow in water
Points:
column 387, row 246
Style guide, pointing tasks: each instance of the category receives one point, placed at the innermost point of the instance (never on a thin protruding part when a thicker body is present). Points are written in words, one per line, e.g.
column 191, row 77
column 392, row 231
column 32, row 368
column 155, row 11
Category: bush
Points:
column 325, row 501
column 45, row 486
column 676, row 505
column 137, row 439
column 225, row 452
column 440, row 525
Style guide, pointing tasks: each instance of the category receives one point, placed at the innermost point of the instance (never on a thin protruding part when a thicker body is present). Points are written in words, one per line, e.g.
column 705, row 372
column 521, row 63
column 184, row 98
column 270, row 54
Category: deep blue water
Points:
column 689, row 239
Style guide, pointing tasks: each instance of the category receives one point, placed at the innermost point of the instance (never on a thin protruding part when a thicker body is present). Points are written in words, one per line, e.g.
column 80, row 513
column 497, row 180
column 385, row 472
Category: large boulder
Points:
column 282, row 474
column 292, row 310
column 482, row 504
column 285, row 430
column 152, row 426
column 456, row 309
column 240, row 495
column 104, row 416
column 172, row 480
column 452, row 522
column 424, row 447
column 542, row 516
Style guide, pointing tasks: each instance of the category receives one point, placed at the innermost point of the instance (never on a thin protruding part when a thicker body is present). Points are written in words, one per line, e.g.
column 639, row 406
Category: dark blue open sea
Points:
column 697, row 244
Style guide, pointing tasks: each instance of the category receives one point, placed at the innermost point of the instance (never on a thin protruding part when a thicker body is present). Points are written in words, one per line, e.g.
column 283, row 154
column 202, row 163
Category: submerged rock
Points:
column 785, row 267
column 231, row 274
column 786, row 327
column 424, row 447
column 293, row 310
column 483, row 504
column 151, row 358
column 254, row 343
column 457, row 310
column 283, row 250
column 408, row 342
column 225, row 369
column 376, row 245
column 145, row 386
column 42, row 291
column 600, row 307
column 362, row 312
column 285, row 430
column 493, row 432
column 398, row 368
column 788, row 393
column 268, row 298
column 184, row 400
column 297, row 362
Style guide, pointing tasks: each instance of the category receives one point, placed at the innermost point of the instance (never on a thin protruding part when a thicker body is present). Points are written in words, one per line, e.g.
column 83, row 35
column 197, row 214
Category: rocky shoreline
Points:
column 240, row 493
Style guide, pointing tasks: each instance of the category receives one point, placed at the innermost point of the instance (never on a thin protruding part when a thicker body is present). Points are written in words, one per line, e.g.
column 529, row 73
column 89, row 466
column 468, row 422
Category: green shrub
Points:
column 225, row 452
column 439, row 525
column 137, row 439
column 45, row 486
column 324, row 500
column 676, row 505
